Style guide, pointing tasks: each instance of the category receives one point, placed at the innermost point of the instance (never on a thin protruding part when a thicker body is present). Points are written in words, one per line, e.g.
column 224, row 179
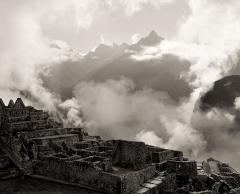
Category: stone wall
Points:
column 182, row 167
column 14, row 115
column 26, row 125
column 18, row 126
column 133, row 180
column 38, row 115
column 50, row 132
column 103, row 163
column 158, row 157
column 79, row 172
column 168, row 183
column 69, row 139
column 130, row 154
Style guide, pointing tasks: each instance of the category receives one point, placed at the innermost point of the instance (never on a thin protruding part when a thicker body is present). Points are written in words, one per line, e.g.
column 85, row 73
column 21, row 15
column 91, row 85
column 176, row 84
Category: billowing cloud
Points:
column 26, row 51
column 237, row 103
column 72, row 109
column 135, row 38
column 116, row 110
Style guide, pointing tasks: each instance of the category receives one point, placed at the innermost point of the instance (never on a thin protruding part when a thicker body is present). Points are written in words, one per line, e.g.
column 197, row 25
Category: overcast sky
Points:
column 117, row 25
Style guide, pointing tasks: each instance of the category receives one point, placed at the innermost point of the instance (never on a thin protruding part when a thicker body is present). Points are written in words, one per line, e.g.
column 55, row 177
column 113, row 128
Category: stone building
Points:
column 36, row 146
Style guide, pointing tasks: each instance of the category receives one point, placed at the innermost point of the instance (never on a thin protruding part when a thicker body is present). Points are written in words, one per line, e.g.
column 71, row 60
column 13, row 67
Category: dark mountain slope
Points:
column 222, row 94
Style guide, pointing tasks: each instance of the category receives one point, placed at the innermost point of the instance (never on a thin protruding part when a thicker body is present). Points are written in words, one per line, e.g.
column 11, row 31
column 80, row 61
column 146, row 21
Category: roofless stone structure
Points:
column 34, row 145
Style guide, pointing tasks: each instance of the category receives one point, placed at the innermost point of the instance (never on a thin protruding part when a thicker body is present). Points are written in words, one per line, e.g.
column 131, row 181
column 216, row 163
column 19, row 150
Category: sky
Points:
column 119, row 25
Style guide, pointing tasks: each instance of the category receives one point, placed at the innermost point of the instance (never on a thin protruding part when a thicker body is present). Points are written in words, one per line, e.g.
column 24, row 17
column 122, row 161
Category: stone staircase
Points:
column 152, row 186
column 199, row 167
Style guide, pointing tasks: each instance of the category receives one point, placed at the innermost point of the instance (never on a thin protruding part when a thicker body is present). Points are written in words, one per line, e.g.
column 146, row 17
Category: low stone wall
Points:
column 168, row 183
column 132, row 181
column 47, row 132
column 182, row 167
column 155, row 149
column 13, row 114
column 82, row 145
column 26, row 125
column 69, row 139
column 178, row 154
column 161, row 166
column 102, row 151
column 130, row 154
column 158, row 157
column 79, row 172
column 17, row 118
column 19, row 126
column 39, row 133
column 103, row 163
column 38, row 115
column 39, row 124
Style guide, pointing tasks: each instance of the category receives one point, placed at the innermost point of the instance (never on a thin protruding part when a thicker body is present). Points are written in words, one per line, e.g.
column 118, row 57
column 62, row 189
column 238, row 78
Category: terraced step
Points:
column 46, row 132
column 20, row 126
column 40, row 133
column 58, row 139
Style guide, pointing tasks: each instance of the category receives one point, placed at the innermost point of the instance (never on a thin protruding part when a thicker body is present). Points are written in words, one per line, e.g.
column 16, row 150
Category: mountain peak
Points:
column 153, row 33
column 151, row 40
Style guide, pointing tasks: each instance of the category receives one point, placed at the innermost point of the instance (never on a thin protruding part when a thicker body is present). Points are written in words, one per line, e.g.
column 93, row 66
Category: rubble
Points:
column 34, row 145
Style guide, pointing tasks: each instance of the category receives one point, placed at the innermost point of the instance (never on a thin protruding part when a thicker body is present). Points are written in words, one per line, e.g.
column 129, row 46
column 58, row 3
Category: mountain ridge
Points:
column 115, row 61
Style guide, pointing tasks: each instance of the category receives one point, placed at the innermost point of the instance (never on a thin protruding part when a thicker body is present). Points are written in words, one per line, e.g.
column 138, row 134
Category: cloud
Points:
column 135, row 38
column 134, row 6
column 74, row 116
column 210, row 34
column 221, row 132
column 237, row 103
column 149, row 137
column 26, row 51
column 23, row 50
column 115, row 109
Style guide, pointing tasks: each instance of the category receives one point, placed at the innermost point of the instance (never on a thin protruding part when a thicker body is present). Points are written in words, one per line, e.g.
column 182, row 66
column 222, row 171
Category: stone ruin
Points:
column 36, row 146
